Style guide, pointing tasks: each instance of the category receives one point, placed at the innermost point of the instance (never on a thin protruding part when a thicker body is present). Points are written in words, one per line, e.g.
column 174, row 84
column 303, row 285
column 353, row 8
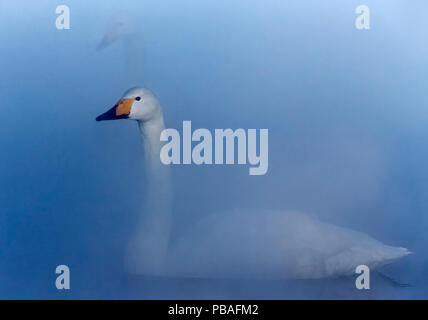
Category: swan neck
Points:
column 150, row 134
column 148, row 251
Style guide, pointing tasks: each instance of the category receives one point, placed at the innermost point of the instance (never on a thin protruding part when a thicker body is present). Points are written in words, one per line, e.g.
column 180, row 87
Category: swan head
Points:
column 118, row 28
column 136, row 104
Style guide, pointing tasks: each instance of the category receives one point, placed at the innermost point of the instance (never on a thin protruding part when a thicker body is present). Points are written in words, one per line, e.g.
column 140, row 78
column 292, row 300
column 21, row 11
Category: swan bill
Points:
column 121, row 110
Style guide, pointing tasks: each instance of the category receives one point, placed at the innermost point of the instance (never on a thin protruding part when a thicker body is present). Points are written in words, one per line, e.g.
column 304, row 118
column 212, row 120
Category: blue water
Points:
column 346, row 111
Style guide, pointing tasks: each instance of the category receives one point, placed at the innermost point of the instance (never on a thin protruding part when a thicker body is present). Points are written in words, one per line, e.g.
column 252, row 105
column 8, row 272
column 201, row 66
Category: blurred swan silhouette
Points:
column 124, row 30
column 239, row 243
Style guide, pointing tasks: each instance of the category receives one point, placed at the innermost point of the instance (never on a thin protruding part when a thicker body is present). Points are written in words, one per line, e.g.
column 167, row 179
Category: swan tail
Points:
column 373, row 257
column 391, row 254
column 383, row 255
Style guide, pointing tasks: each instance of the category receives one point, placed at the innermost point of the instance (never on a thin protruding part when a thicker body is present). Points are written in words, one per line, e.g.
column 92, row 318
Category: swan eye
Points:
column 138, row 98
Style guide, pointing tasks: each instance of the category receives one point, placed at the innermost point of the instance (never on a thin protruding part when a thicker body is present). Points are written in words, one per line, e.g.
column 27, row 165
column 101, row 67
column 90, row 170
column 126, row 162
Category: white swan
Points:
column 239, row 243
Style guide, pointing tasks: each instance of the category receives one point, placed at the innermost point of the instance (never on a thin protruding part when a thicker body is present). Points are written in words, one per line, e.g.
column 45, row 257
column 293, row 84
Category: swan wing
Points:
column 270, row 244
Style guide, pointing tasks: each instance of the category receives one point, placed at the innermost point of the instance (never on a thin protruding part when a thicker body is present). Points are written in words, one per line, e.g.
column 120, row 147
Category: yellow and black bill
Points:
column 121, row 110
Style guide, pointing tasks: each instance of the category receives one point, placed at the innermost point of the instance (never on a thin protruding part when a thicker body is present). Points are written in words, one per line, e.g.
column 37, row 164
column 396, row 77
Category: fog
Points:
column 346, row 111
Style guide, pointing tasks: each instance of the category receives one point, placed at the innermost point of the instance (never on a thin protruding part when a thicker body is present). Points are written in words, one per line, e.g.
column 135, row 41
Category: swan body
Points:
column 275, row 244
column 239, row 243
